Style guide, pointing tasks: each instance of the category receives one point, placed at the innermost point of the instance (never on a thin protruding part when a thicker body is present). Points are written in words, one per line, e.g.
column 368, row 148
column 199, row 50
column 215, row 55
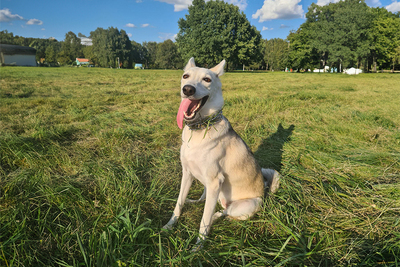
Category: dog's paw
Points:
column 199, row 245
column 275, row 182
column 167, row 226
column 272, row 178
column 218, row 215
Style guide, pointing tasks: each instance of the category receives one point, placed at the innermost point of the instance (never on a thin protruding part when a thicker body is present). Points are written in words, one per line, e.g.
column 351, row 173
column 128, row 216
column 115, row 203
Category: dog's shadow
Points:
column 269, row 153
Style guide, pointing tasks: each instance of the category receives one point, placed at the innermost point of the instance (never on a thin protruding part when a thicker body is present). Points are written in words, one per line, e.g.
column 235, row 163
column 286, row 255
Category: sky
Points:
column 147, row 20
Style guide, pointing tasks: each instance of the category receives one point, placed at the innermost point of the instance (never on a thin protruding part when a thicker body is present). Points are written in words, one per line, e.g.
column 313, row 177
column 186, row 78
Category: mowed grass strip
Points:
column 90, row 169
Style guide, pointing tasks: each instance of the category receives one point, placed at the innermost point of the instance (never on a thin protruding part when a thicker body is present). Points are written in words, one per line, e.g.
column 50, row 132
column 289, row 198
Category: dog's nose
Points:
column 188, row 90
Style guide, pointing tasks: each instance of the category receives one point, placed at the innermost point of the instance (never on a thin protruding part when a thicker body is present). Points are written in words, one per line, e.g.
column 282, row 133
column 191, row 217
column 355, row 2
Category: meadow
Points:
column 90, row 169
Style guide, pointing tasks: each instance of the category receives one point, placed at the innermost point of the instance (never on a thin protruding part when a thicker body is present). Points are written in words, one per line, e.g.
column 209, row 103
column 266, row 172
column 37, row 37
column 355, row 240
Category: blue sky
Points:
column 146, row 20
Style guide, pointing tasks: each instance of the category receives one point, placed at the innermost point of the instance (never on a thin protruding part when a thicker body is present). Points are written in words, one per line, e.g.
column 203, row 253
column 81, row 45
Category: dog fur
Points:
column 216, row 155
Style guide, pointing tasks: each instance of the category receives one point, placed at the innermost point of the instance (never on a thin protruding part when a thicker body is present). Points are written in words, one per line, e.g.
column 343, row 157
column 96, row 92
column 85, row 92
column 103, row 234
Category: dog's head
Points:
column 200, row 91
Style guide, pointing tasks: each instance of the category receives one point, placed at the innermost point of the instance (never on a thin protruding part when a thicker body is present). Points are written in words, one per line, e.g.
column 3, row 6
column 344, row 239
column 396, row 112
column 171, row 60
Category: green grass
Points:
column 90, row 170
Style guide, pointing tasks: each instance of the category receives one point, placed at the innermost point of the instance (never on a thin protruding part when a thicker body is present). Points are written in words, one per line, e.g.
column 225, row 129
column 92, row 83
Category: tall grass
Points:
column 90, row 170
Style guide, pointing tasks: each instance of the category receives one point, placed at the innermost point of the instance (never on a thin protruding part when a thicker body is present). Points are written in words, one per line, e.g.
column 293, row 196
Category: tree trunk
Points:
column 374, row 63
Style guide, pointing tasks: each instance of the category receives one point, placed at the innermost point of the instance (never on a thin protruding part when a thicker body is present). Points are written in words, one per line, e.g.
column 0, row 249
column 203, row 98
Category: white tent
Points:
column 352, row 71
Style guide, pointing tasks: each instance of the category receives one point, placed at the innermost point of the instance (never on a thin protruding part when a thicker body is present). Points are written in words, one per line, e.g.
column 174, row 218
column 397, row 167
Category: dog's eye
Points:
column 208, row 80
column 185, row 76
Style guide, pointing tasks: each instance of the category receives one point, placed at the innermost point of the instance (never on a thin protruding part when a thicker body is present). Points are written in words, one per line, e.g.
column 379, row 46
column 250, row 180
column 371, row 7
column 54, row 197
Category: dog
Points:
column 213, row 153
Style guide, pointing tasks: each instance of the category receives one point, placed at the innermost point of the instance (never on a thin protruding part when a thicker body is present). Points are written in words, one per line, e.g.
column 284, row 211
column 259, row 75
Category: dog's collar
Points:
column 205, row 122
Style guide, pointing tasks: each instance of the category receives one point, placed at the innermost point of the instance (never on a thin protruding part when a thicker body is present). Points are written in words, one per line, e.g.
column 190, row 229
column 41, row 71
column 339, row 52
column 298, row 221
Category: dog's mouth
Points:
column 188, row 109
column 194, row 107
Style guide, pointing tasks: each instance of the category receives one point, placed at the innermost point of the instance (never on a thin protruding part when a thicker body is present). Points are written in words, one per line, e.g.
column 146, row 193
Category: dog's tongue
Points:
column 186, row 104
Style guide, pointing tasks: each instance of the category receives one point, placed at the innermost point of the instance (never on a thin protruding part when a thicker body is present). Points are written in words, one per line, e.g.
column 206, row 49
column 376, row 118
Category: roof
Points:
column 8, row 49
column 82, row 60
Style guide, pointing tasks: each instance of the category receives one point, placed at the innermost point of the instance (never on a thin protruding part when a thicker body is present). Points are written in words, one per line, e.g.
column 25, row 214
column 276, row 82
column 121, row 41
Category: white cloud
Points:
column 242, row 4
column 145, row 25
column 279, row 9
column 326, row 2
column 393, row 7
column 34, row 22
column 130, row 25
column 179, row 5
column 43, row 29
column 283, row 26
column 129, row 35
column 6, row 16
column 266, row 29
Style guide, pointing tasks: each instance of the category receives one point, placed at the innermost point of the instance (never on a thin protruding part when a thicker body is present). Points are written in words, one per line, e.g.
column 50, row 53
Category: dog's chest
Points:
column 201, row 155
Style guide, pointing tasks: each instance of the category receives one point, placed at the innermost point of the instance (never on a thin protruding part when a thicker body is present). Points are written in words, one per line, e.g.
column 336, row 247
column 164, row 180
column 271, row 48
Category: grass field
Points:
column 90, row 170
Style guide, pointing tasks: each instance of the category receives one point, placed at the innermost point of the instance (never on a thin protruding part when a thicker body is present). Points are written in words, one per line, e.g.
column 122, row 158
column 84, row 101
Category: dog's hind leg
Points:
column 202, row 198
column 242, row 209
column 271, row 179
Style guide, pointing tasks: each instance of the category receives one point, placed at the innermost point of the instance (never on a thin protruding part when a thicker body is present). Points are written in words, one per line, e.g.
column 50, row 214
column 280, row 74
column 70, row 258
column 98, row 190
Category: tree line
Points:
column 344, row 34
column 109, row 47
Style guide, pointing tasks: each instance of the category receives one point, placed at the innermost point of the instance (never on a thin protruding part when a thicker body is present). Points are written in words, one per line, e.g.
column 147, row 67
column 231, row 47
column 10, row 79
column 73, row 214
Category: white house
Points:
column 15, row 55
column 352, row 71
column 86, row 41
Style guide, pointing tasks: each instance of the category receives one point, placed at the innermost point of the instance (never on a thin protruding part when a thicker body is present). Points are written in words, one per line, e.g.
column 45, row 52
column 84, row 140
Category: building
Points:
column 15, row 55
column 138, row 66
column 86, row 41
column 82, row 61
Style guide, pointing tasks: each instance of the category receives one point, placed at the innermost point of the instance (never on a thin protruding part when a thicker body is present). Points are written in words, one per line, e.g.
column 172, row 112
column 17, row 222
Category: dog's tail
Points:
column 271, row 178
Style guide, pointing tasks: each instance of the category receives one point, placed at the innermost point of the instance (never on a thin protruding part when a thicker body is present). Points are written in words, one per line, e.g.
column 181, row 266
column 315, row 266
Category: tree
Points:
column 51, row 56
column 385, row 36
column 6, row 37
column 41, row 45
column 168, row 56
column 151, row 54
column 301, row 52
column 339, row 31
column 110, row 45
column 88, row 53
column 396, row 58
column 276, row 53
column 215, row 30
column 123, row 47
column 71, row 48
column 139, row 53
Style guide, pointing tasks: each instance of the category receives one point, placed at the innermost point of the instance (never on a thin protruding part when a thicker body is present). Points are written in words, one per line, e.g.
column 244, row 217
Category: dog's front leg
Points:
column 212, row 194
column 187, row 180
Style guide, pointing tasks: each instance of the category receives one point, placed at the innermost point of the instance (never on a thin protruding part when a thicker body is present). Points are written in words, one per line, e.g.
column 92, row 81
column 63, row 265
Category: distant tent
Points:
column 15, row 55
column 352, row 71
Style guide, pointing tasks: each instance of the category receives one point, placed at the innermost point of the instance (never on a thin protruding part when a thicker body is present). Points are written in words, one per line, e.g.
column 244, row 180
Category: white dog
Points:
column 214, row 154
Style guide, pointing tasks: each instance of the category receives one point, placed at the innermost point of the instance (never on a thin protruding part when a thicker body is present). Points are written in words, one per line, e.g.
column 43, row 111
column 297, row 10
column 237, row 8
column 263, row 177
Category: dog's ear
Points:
column 190, row 64
column 219, row 69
